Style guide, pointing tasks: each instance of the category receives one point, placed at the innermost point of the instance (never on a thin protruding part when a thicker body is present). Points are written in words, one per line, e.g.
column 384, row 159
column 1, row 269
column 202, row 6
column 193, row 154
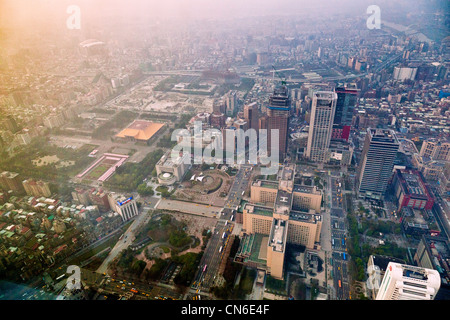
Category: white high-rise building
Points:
column 321, row 125
column 404, row 282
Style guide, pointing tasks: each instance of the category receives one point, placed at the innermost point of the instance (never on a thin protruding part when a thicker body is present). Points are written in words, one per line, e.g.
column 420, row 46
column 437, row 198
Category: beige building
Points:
column 11, row 181
column 264, row 191
column 59, row 226
column 276, row 248
column 273, row 212
column 431, row 169
column 36, row 188
column 436, row 149
column 298, row 228
column 257, row 219
column 307, row 198
column 304, row 229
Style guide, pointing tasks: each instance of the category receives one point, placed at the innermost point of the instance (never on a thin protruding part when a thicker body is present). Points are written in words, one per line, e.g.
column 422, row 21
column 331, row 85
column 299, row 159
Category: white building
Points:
column 125, row 207
column 321, row 125
column 170, row 170
column 404, row 282
column 404, row 73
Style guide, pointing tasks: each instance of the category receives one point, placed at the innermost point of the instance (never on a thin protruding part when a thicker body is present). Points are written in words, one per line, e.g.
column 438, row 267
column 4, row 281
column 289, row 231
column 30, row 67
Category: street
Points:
column 340, row 257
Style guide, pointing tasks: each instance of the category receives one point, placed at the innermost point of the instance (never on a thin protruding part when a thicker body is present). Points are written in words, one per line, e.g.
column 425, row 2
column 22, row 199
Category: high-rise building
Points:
column 278, row 119
column 436, row 149
column 376, row 268
column 230, row 103
column 251, row 115
column 433, row 252
column 404, row 282
column 100, row 198
column 262, row 58
column 377, row 160
column 217, row 120
column 11, row 181
column 36, row 188
column 279, row 212
column 81, row 196
column 347, row 95
column 321, row 125
column 125, row 207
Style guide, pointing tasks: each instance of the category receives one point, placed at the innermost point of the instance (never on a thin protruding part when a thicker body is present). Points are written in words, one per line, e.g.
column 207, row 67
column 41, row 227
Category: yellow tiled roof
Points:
column 140, row 130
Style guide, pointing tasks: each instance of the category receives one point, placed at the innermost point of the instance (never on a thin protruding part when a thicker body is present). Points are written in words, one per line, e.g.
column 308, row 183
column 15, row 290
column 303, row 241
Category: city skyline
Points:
column 246, row 151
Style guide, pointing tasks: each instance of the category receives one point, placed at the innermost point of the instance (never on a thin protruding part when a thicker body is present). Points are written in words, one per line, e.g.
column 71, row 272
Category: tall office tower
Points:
column 230, row 103
column 278, row 118
column 251, row 115
column 347, row 95
column 403, row 282
column 321, row 125
column 377, row 160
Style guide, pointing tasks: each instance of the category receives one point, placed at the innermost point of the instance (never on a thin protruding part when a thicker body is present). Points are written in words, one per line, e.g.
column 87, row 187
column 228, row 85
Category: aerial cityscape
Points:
column 202, row 150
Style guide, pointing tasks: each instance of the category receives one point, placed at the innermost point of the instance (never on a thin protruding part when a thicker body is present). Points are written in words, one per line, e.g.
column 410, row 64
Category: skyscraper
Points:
column 377, row 160
column 345, row 104
column 251, row 115
column 230, row 103
column 278, row 118
column 321, row 125
column 403, row 282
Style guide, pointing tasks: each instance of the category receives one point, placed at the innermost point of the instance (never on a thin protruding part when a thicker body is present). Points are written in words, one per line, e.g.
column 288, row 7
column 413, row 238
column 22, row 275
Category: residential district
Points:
column 358, row 207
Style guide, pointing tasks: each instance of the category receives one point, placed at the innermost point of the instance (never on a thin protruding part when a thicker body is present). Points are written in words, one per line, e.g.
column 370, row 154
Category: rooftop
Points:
column 412, row 183
column 383, row 135
column 304, row 189
column 261, row 210
column 266, row 184
column 140, row 130
column 439, row 250
column 304, row 217
column 383, row 261
column 277, row 235
column 283, row 202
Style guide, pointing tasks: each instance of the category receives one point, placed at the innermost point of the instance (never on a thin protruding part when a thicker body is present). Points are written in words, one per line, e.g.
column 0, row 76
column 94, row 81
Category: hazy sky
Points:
column 25, row 13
